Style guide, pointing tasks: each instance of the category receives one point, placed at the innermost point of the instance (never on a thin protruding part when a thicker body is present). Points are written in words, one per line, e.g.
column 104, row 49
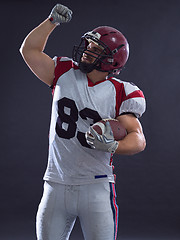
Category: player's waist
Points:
column 78, row 180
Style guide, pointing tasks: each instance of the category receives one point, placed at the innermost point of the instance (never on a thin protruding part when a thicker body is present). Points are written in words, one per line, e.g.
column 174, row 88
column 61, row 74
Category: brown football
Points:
column 118, row 130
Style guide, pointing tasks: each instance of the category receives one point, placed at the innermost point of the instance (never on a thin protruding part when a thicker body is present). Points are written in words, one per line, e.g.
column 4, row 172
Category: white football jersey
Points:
column 77, row 104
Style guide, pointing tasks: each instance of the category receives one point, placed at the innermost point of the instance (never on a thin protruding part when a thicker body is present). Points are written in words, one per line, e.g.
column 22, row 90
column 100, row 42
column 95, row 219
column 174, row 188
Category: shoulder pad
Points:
column 134, row 101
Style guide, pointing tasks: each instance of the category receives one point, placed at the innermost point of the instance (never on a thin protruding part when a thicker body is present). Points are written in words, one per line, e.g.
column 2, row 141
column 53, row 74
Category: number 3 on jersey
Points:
column 68, row 116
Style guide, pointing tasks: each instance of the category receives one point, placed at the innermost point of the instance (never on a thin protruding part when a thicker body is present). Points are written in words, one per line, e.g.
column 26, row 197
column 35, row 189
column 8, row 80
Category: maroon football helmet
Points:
column 115, row 50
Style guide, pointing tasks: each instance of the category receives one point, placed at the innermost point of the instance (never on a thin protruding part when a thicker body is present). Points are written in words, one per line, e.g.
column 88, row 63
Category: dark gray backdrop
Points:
column 148, row 183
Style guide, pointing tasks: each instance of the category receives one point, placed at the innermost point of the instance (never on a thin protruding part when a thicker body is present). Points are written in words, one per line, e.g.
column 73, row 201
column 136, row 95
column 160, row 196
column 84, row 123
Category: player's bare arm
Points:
column 134, row 141
column 32, row 48
column 32, row 51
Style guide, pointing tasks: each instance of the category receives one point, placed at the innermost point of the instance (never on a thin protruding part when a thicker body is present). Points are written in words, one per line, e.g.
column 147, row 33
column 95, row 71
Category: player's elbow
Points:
column 22, row 50
column 142, row 143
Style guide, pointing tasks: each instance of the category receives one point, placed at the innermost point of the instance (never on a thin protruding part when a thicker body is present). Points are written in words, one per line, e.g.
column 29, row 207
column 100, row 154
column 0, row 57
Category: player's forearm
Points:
column 37, row 38
column 133, row 143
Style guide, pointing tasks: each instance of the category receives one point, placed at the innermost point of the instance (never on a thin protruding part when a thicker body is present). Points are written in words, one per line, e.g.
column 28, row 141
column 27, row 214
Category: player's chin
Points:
column 86, row 67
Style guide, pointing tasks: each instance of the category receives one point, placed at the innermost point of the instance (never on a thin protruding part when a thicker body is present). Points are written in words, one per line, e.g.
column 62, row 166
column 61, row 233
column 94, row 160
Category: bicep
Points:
column 130, row 123
column 135, row 140
column 41, row 65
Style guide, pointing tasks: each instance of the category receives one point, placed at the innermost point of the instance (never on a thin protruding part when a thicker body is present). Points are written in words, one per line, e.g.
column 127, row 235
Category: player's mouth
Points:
column 86, row 58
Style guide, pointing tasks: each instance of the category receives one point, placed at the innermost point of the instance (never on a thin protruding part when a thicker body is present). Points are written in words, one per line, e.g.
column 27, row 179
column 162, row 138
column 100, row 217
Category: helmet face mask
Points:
column 78, row 52
column 114, row 54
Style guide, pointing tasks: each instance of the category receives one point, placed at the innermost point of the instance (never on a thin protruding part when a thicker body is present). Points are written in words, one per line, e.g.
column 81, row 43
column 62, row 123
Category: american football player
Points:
column 79, row 179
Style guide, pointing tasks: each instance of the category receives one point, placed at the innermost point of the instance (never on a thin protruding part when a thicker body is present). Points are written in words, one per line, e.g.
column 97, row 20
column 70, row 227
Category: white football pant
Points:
column 94, row 204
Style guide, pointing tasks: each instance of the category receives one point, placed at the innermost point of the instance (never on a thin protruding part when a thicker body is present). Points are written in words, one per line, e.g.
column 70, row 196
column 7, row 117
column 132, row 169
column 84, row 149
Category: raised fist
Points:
column 60, row 14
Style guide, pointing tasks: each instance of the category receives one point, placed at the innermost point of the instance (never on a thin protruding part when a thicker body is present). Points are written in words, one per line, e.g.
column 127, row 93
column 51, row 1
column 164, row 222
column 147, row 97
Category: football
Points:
column 118, row 130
